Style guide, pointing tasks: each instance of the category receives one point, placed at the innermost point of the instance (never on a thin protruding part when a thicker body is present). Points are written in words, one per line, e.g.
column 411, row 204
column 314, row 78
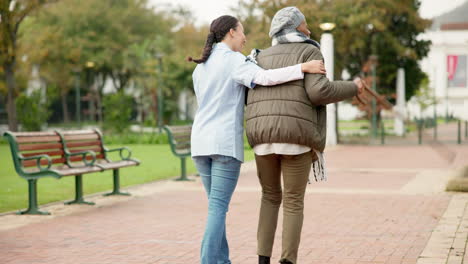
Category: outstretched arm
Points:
column 322, row 91
column 249, row 70
column 287, row 74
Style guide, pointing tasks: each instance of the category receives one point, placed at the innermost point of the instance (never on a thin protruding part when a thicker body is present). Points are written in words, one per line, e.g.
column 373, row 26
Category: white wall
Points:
column 435, row 65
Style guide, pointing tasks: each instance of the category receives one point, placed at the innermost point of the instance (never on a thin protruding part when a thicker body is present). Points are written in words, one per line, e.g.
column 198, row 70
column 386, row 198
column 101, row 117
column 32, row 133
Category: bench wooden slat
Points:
column 183, row 143
column 96, row 150
column 37, row 139
column 181, row 139
column 59, row 152
column 32, row 134
column 64, row 171
column 40, row 146
column 180, row 129
column 88, row 157
column 50, row 153
column 77, row 132
column 83, row 144
column 33, row 163
column 81, row 137
column 184, row 149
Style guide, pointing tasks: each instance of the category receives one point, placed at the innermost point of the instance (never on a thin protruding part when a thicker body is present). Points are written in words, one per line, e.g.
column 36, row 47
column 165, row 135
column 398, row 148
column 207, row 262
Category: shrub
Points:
column 33, row 111
column 117, row 112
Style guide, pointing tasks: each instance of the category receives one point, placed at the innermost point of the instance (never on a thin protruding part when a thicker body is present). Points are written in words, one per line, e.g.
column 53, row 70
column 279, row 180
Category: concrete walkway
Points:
column 381, row 205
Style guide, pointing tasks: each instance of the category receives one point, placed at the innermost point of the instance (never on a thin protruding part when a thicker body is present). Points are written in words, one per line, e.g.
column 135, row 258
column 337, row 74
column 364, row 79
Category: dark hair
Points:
column 218, row 30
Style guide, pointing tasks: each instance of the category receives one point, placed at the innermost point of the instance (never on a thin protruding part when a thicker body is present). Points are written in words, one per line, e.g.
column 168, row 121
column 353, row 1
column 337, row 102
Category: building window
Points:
column 457, row 71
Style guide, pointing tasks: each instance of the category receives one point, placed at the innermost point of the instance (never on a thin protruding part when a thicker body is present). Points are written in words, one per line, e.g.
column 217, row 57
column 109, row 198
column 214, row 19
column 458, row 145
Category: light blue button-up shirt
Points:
column 219, row 85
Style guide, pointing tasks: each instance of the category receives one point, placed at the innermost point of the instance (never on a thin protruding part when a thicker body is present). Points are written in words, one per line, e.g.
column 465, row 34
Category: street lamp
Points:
column 326, row 46
column 399, row 123
column 89, row 80
column 327, row 27
column 90, row 64
column 160, row 92
column 373, row 61
column 76, row 71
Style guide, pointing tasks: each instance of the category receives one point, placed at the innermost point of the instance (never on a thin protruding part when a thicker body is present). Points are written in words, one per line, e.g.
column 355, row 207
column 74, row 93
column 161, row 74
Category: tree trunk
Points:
column 66, row 113
column 11, row 86
column 99, row 95
column 154, row 98
column 99, row 107
column 92, row 106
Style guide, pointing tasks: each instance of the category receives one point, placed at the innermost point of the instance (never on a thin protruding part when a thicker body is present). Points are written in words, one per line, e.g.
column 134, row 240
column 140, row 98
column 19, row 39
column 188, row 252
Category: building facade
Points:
column 447, row 62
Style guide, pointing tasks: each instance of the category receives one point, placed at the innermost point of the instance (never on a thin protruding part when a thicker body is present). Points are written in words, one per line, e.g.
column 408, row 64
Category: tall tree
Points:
column 72, row 33
column 57, row 65
column 12, row 14
column 386, row 28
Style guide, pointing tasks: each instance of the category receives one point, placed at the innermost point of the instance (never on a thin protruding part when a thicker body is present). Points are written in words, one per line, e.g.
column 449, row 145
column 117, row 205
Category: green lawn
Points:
column 157, row 162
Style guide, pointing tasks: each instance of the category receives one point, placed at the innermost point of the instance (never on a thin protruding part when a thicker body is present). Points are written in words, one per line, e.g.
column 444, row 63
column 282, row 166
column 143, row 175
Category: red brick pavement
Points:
column 354, row 227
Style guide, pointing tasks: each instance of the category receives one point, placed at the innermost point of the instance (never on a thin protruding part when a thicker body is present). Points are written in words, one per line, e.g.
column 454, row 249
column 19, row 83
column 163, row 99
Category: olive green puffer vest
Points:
column 293, row 112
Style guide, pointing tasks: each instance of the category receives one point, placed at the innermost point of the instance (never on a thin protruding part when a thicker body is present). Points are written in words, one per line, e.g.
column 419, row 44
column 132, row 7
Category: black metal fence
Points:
column 417, row 132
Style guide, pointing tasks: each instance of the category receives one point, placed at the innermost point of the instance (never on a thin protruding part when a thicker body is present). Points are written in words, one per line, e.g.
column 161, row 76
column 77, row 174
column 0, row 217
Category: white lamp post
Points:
column 400, row 103
column 326, row 43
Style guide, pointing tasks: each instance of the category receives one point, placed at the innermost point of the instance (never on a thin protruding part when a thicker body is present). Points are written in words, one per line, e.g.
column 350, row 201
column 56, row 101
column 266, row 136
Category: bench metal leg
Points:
column 79, row 192
column 183, row 166
column 116, row 190
column 33, row 209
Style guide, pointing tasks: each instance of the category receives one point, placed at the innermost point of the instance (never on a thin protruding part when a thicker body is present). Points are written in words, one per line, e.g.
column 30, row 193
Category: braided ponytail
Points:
column 210, row 40
column 218, row 30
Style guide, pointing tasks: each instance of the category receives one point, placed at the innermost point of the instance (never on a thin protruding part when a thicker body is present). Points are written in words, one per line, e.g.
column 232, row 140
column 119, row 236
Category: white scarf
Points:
column 319, row 168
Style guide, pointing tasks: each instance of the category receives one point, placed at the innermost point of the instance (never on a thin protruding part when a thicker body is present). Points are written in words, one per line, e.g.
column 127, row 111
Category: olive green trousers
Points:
column 295, row 170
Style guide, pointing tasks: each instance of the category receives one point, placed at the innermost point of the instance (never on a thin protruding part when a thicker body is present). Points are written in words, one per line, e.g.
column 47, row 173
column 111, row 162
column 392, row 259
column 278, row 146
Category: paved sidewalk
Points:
column 381, row 205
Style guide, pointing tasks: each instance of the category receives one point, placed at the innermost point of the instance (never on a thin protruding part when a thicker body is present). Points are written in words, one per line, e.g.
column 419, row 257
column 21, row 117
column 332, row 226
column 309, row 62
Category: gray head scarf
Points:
column 284, row 25
column 286, row 19
column 283, row 29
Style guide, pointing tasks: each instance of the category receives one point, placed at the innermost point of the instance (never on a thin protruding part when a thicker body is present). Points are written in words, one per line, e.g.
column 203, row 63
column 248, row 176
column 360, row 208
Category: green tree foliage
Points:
column 386, row 28
column 127, row 42
column 12, row 14
column 425, row 96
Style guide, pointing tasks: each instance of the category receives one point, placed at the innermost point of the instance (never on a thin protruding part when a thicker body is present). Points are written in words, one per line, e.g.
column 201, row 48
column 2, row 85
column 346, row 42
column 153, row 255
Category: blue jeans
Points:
column 219, row 175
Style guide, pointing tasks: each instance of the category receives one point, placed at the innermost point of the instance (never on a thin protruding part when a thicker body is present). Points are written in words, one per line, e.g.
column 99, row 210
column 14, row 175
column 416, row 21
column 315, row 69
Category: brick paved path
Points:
column 380, row 205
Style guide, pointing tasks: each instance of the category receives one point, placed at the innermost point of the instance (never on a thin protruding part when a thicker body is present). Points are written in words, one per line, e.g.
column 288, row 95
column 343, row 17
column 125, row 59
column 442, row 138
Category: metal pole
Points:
column 459, row 132
column 382, row 132
column 160, row 96
column 327, row 47
column 420, row 123
column 399, row 124
column 374, row 104
column 435, row 122
column 466, row 129
column 183, row 176
column 78, row 100
column 446, row 106
column 373, row 60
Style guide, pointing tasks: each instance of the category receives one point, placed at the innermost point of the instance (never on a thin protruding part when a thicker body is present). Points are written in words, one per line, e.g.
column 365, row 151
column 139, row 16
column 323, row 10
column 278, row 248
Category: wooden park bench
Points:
column 179, row 139
column 58, row 154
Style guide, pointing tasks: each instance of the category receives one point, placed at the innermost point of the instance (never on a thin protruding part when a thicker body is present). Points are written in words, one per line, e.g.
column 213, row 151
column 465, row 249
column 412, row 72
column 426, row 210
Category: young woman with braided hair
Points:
column 219, row 82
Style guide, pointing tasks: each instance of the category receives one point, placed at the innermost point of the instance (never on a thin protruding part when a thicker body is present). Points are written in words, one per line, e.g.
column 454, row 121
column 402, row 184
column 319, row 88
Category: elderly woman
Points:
column 217, row 142
column 286, row 127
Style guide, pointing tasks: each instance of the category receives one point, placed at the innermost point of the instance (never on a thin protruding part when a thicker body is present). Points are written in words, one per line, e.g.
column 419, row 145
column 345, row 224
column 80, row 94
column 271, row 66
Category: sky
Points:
column 207, row 10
